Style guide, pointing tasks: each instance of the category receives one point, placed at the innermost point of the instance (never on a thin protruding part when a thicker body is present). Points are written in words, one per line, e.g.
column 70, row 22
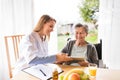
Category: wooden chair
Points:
column 12, row 51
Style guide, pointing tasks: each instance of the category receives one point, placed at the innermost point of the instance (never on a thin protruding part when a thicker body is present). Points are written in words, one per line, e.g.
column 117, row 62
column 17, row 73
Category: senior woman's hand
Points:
column 77, row 42
column 83, row 63
column 62, row 58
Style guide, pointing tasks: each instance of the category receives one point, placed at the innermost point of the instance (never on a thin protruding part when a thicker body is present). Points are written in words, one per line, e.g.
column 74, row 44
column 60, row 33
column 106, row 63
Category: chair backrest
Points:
column 99, row 49
column 12, row 51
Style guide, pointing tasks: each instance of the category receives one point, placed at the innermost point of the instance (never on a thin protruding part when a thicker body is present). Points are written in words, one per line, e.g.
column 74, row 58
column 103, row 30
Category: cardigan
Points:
column 91, row 54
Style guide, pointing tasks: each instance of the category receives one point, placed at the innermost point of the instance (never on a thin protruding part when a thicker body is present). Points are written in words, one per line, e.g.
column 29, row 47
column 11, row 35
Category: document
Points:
column 43, row 71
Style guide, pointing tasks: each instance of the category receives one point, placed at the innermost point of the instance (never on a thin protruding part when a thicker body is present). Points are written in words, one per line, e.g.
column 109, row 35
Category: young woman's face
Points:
column 80, row 33
column 48, row 27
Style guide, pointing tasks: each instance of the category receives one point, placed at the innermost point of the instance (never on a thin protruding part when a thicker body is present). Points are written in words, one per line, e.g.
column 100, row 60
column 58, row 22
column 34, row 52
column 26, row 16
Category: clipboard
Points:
column 43, row 71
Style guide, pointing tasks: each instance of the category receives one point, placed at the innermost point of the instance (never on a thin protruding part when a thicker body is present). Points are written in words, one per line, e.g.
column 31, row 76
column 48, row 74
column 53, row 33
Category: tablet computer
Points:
column 77, row 58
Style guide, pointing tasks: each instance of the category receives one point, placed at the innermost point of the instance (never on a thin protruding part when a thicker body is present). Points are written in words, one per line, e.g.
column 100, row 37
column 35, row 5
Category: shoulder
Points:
column 31, row 36
column 90, row 45
column 71, row 42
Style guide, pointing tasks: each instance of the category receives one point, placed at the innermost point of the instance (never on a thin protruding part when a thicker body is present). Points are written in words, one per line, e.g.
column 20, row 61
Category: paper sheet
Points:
column 42, row 71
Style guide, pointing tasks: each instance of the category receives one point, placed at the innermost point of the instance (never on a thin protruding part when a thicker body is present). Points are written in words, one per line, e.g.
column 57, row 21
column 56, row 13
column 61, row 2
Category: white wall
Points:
column 109, row 30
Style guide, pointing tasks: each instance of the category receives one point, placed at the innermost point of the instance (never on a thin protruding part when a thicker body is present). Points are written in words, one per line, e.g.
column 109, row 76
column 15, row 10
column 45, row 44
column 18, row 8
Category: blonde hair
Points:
column 43, row 20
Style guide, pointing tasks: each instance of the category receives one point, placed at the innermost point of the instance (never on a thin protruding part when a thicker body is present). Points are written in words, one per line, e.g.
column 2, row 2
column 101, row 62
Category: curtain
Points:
column 109, row 30
column 16, row 17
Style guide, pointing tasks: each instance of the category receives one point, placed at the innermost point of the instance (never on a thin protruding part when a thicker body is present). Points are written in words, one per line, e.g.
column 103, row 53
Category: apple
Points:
column 74, row 76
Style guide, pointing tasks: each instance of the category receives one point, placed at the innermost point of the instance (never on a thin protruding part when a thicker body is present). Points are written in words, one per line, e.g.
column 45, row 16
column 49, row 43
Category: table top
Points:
column 102, row 74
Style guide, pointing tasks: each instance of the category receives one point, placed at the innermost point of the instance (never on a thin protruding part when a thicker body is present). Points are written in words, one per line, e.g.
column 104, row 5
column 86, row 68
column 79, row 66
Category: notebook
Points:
column 43, row 71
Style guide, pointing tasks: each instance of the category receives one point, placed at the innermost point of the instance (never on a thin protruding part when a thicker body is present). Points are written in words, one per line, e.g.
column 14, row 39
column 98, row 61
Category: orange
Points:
column 74, row 76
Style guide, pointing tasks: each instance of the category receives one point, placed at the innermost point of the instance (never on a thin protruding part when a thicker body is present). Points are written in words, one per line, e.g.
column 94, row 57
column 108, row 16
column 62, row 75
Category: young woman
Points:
column 34, row 47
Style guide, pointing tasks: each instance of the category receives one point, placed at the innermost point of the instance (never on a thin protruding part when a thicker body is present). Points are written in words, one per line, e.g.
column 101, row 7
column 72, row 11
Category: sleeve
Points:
column 42, row 60
column 94, row 56
column 68, row 48
column 28, row 48
column 65, row 49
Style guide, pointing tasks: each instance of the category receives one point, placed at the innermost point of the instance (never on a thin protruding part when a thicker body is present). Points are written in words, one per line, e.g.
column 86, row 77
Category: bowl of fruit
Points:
column 75, row 74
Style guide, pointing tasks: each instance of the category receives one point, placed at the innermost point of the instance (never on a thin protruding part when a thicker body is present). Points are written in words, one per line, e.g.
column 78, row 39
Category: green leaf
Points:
column 88, row 10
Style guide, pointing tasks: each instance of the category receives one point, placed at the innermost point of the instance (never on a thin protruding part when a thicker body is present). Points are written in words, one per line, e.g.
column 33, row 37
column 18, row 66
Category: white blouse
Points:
column 32, row 48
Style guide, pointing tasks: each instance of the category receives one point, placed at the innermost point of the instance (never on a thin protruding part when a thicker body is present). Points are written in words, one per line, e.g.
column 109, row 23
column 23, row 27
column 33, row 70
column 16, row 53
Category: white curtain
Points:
column 109, row 30
column 16, row 17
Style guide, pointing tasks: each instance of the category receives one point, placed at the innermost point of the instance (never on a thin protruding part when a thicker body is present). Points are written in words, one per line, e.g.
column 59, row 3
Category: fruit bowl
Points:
column 74, row 74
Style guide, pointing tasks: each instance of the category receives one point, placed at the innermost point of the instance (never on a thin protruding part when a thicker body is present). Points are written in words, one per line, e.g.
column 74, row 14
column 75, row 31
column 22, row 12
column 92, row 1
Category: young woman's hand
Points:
column 62, row 58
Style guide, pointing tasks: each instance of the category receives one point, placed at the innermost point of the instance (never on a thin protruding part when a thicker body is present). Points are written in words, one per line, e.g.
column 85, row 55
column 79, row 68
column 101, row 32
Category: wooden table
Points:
column 102, row 74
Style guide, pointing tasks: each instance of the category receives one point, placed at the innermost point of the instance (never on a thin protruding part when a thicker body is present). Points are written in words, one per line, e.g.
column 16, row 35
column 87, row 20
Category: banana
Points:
column 75, row 70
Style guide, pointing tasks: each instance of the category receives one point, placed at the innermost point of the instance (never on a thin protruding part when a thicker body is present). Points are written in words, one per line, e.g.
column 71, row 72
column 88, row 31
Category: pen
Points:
column 43, row 72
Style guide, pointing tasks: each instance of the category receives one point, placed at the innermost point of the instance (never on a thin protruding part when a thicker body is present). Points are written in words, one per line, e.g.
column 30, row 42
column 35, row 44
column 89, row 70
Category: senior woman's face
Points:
column 48, row 27
column 80, row 33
